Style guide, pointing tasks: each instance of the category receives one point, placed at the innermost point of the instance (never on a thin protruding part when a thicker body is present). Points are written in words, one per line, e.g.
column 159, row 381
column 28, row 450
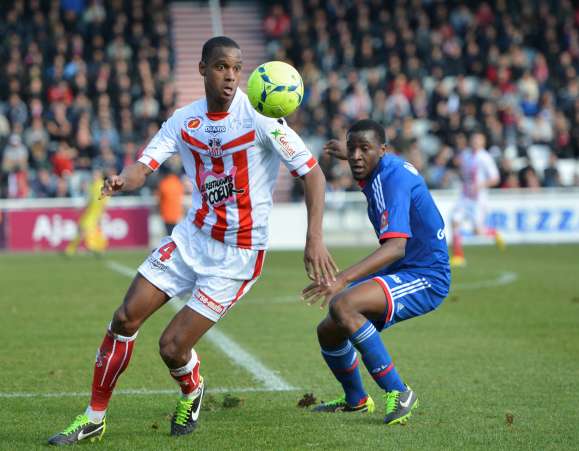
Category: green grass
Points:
column 485, row 354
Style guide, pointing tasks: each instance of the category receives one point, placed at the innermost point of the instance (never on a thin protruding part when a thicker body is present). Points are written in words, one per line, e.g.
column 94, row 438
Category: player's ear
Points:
column 383, row 149
column 202, row 68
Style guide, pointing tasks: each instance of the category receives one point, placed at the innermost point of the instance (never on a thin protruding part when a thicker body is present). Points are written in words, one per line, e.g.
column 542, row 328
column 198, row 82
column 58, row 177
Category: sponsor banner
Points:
column 54, row 228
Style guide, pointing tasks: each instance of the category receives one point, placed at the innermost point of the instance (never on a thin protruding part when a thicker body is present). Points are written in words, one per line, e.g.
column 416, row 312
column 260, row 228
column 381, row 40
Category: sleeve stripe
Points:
column 148, row 161
column 304, row 168
column 386, row 235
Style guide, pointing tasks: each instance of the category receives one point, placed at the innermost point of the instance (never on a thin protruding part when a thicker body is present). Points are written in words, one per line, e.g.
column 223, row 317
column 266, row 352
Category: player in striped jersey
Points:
column 407, row 276
column 232, row 155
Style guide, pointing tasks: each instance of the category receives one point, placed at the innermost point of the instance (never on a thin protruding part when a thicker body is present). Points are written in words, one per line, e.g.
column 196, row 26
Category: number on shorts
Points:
column 167, row 250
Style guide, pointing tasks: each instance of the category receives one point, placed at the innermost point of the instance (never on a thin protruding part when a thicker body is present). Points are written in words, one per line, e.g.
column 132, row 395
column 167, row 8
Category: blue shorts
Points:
column 408, row 294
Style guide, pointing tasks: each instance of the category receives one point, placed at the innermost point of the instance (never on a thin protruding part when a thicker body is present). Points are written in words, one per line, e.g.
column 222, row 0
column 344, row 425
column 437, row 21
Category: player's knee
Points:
column 341, row 309
column 124, row 323
column 171, row 352
column 324, row 328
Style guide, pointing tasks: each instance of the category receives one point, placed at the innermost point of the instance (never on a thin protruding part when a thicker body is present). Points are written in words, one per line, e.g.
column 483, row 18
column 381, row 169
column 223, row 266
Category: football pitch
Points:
column 496, row 367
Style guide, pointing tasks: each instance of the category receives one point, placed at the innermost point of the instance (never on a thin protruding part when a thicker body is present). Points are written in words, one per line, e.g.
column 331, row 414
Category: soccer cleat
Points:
column 399, row 406
column 187, row 412
column 457, row 261
column 80, row 429
column 340, row 405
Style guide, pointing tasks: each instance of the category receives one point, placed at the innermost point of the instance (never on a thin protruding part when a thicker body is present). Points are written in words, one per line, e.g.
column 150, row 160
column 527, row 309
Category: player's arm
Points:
column 392, row 249
column 278, row 136
column 319, row 263
column 131, row 178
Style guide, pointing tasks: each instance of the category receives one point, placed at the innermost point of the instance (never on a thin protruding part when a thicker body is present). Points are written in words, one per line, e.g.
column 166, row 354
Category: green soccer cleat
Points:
column 340, row 405
column 187, row 412
column 80, row 429
column 399, row 406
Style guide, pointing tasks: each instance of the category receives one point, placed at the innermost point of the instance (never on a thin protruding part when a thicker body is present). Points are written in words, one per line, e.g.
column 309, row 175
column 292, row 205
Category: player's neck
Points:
column 216, row 107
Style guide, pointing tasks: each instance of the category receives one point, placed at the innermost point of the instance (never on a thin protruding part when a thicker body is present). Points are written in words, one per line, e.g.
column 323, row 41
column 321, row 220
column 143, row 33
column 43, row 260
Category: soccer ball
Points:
column 275, row 89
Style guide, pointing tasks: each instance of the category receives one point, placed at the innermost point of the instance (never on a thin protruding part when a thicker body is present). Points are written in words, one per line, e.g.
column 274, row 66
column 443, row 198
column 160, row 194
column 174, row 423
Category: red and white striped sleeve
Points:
column 277, row 135
column 163, row 145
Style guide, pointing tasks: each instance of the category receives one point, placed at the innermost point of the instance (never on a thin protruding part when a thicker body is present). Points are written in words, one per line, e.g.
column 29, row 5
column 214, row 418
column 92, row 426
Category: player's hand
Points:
column 320, row 266
column 336, row 148
column 111, row 185
column 314, row 292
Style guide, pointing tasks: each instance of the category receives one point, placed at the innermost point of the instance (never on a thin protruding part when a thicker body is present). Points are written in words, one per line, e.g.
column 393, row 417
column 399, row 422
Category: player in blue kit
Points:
column 407, row 276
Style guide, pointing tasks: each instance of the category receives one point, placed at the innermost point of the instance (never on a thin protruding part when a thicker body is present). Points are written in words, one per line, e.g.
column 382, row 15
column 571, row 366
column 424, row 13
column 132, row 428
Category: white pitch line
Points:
column 504, row 278
column 270, row 380
column 132, row 392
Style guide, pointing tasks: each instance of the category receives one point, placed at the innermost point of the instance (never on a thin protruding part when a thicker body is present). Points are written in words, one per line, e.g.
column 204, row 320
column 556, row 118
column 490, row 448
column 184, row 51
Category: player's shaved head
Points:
column 214, row 43
column 365, row 125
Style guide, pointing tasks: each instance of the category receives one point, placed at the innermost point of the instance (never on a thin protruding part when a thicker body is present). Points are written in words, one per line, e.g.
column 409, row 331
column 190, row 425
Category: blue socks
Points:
column 344, row 364
column 376, row 358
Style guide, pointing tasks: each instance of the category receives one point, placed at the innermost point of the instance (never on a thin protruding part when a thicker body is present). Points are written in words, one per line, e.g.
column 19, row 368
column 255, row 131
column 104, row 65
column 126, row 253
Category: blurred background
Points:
column 85, row 84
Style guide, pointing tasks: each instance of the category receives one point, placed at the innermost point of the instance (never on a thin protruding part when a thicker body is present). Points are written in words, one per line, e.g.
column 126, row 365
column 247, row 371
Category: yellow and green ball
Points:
column 275, row 89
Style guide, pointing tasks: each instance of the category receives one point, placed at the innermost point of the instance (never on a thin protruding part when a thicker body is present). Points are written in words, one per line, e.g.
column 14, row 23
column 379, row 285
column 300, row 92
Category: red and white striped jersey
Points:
column 232, row 160
column 477, row 169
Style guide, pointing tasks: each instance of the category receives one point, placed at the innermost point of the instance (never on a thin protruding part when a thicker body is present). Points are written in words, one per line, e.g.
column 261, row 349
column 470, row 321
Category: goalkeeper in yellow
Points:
column 89, row 230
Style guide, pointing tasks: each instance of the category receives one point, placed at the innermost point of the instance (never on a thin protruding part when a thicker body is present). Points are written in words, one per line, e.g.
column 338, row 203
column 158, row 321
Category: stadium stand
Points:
column 86, row 83
column 435, row 71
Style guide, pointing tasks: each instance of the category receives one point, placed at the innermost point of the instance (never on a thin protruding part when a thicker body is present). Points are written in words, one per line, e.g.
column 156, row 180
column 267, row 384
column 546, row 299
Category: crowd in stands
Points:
column 434, row 72
column 83, row 85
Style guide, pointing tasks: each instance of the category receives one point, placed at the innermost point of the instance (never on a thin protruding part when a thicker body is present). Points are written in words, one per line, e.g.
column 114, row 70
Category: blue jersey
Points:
column 400, row 206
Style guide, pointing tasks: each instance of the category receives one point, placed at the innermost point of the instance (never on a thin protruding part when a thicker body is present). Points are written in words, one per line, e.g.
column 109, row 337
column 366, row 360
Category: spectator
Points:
column 551, row 176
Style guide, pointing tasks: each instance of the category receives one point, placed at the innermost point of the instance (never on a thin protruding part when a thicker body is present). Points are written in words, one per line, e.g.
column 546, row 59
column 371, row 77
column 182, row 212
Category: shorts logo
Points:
column 384, row 222
column 215, row 147
column 193, row 123
column 207, row 301
column 395, row 278
column 281, row 137
column 154, row 263
column 218, row 189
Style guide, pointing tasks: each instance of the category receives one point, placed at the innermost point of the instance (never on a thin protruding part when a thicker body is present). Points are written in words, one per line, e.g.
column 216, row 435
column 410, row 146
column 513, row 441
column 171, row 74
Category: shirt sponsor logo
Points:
column 218, row 189
column 206, row 300
column 215, row 129
column 410, row 168
column 281, row 137
column 193, row 123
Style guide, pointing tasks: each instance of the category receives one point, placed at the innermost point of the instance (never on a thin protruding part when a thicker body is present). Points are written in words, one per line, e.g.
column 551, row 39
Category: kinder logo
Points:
column 193, row 123
column 218, row 189
column 206, row 300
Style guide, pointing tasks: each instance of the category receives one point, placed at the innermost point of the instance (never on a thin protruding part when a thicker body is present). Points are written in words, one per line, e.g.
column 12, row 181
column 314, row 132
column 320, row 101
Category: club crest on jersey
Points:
column 193, row 123
column 215, row 147
column 218, row 189
column 384, row 222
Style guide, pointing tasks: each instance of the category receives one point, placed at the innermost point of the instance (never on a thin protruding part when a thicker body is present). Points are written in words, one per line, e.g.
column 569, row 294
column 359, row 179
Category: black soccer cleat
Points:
column 187, row 411
column 399, row 406
column 80, row 429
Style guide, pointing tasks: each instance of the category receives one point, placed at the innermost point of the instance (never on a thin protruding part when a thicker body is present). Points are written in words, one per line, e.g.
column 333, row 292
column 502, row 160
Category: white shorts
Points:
column 213, row 275
column 470, row 210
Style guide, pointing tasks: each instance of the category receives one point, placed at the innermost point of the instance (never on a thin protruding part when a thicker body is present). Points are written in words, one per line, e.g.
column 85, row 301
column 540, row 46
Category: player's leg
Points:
column 457, row 258
column 113, row 356
column 176, row 349
column 481, row 228
column 211, row 299
column 341, row 358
